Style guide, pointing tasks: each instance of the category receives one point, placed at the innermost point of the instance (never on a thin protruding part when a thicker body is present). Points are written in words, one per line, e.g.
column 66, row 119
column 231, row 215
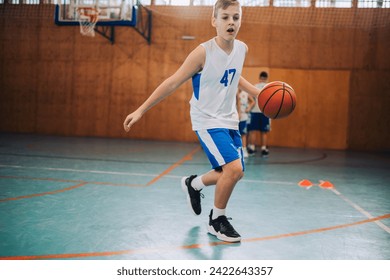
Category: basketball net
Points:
column 88, row 17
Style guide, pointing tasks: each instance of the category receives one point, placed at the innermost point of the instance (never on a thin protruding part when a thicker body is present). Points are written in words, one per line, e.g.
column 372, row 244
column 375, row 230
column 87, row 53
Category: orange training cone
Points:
column 305, row 184
column 326, row 185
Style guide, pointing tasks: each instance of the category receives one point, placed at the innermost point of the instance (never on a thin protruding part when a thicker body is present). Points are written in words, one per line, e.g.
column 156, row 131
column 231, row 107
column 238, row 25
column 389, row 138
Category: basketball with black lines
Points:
column 277, row 100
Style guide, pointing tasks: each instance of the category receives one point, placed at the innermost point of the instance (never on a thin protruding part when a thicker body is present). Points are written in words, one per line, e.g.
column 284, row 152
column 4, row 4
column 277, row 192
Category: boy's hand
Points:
column 130, row 120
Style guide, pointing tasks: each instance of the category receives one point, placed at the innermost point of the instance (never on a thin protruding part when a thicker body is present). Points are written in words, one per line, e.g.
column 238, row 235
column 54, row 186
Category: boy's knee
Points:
column 241, row 174
column 237, row 172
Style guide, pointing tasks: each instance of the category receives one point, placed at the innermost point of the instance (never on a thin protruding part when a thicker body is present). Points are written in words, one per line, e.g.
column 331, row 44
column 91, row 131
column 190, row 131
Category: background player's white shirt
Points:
column 213, row 104
column 243, row 97
column 256, row 108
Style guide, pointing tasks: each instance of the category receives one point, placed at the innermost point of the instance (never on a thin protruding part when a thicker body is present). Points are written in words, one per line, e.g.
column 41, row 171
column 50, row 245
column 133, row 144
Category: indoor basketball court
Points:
column 75, row 186
column 81, row 198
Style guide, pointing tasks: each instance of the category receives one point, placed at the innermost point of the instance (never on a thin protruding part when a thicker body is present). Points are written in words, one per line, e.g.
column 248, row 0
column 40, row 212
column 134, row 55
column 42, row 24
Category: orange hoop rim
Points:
column 89, row 12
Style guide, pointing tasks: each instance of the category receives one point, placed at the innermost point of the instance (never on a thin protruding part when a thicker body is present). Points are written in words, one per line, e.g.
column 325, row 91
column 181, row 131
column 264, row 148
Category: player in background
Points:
column 245, row 103
column 259, row 123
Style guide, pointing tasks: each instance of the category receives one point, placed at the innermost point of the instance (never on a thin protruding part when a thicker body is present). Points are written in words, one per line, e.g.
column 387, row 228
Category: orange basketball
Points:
column 277, row 100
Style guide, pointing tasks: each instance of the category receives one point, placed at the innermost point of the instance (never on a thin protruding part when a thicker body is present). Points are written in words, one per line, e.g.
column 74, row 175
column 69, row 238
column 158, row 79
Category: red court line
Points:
column 191, row 246
column 45, row 193
column 383, row 217
column 176, row 164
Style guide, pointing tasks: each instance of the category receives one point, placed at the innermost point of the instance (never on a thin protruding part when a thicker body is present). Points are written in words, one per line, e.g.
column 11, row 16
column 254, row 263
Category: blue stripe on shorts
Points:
column 221, row 145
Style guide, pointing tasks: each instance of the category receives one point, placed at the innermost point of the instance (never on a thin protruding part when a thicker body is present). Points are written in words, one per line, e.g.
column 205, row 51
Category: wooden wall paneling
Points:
column 369, row 115
column 123, row 94
column 361, row 49
column 129, row 81
column 54, row 97
column 382, row 57
column 321, row 116
column 185, row 121
column 331, row 48
column 3, row 97
column 19, row 96
column 55, row 87
column 90, row 98
column 175, row 121
column 101, row 94
column 292, row 131
column 164, row 61
column 327, row 108
column 283, row 131
column 24, row 32
column 56, row 43
column 257, row 37
column 289, row 47
column 371, row 48
column 39, row 60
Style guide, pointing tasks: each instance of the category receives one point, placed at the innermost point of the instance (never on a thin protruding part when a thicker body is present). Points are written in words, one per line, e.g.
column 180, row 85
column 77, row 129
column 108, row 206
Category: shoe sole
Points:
column 185, row 190
column 222, row 237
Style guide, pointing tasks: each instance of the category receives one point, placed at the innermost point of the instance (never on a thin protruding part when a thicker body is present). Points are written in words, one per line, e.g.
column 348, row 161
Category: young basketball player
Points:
column 215, row 68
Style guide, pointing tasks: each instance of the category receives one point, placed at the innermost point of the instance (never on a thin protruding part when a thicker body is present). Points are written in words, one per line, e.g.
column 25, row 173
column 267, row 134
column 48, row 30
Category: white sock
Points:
column 252, row 147
column 197, row 183
column 218, row 212
column 264, row 147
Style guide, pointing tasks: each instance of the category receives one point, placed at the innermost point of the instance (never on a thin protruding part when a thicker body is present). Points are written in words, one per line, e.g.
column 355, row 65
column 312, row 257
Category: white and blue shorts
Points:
column 221, row 146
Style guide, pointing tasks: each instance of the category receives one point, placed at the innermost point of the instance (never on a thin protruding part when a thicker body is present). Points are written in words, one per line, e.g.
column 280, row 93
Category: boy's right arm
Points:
column 248, row 87
column 193, row 64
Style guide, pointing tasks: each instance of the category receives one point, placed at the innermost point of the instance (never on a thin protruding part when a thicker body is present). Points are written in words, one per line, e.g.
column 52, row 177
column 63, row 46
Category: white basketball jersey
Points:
column 213, row 104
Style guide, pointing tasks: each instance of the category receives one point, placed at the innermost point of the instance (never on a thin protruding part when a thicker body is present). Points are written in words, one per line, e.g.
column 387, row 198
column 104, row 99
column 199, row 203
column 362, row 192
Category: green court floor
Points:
column 97, row 198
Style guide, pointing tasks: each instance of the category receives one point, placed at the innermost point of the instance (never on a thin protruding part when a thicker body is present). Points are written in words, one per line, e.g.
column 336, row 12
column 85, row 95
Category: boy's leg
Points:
column 193, row 185
column 225, row 181
column 265, row 127
column 193, row 194
column 223, row 148
column 231, row 174
column 219, row 224
column 253, row 132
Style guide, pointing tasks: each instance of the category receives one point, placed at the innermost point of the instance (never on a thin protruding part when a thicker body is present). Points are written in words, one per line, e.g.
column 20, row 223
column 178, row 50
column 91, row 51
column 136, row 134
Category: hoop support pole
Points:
column 107, row 32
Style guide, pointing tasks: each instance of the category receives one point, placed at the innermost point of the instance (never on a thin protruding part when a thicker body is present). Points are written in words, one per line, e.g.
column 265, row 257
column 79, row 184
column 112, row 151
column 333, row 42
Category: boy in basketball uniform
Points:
column 215, row 67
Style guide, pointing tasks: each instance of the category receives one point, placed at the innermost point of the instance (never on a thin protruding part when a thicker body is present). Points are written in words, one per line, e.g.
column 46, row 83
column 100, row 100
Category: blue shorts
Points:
column 243, row 127
column 259, row 122
column 221, row 146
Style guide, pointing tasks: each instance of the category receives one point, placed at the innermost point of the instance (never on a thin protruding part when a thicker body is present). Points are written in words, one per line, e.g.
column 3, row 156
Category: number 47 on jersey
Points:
column 228, row 76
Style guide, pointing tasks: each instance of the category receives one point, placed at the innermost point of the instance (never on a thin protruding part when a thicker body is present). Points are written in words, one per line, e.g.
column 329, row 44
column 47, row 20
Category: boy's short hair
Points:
column 224, row 4
column 263, row 75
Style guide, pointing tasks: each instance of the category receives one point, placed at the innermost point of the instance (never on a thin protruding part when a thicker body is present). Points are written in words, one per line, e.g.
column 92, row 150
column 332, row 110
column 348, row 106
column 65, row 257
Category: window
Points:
column 373, row 3
column 292, row 3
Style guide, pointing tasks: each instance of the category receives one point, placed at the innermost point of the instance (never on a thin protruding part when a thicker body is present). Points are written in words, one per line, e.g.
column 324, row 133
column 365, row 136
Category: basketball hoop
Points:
column 88, row 17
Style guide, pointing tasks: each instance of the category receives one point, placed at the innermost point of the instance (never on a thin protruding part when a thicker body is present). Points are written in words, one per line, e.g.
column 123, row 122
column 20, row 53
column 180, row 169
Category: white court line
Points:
column 80, row 171
column 129, row 173
column 361, row 210
column 268, row 182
